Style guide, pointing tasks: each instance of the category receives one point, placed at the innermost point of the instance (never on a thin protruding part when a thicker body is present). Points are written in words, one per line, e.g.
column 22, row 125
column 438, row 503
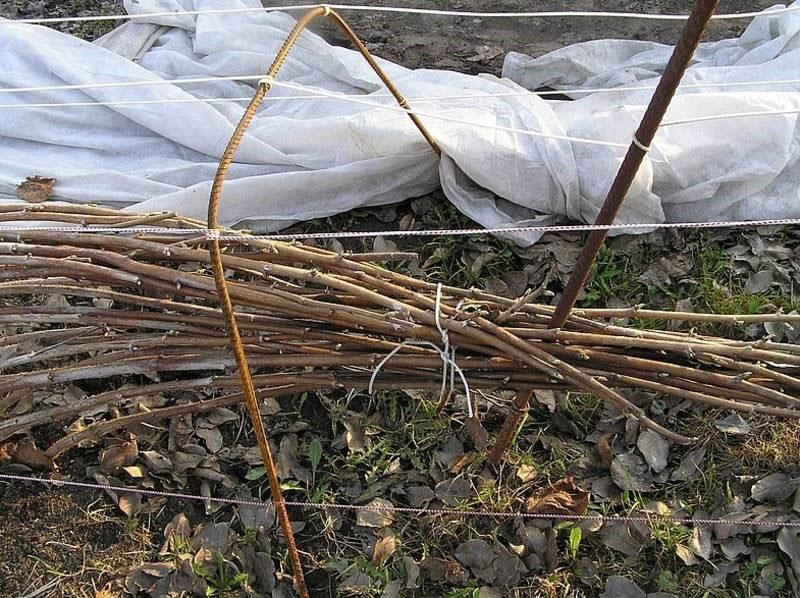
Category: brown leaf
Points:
column 36, row 189
column 105, row 592
column 176, row 534
column 381, row 514
column 120, row 455
column 27, row 453
column 561, row 498
column 288, row 465
column 604, row 450
column 130, row 503
column 627, row 538
column 443, row 570
column 7, row 450
column 476, row 432
column 546, row 398
column 385, row 546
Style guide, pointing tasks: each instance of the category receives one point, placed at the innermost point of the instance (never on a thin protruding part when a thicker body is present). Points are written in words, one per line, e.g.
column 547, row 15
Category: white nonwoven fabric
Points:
column 311, row 158
column 732, row 169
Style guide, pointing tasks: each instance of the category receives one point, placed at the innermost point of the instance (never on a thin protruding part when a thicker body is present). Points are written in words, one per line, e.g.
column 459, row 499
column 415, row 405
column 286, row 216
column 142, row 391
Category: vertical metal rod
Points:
column 215, row 251
column 662, row 96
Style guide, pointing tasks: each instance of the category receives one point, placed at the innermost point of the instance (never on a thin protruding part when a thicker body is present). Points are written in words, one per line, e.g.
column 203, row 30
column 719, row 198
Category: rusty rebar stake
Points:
column 659, row 103
column 519, row 408
column 226, row 303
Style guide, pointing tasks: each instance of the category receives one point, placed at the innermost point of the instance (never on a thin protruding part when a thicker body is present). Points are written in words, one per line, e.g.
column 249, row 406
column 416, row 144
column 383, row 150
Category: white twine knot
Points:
column 640, row 145
column 446, row 352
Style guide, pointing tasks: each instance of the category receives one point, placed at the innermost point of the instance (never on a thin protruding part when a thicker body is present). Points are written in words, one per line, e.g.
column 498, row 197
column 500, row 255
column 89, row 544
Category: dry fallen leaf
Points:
column 477, row 433
column 654, row 448
column 622, row 587
column 176, row 534
column 130, row 503
column 477, row 555
column 526, row 473
column 691, row 466
column 27, row 453
column 630, row 472
column 561, row 498
column 105, row 592
column 627, row 538
column 686, row 555
column 120, row 455
column 7, row 450
column 444, row 570
column 412, row 572
column 604, row 450
column 380, row 515
column 734, row 424
column 546, row 398
column 453, row 491
column 385, row 546
column 775, row 487
column 484, row 54
column 36, row 189
column 357, row 441
column 288, row 464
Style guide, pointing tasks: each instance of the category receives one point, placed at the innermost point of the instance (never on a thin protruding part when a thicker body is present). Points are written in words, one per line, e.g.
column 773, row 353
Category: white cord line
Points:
column 192, row 80
column 446, row 352
column 448, row 358
column 145, row 83
column 403, row 10
column 165, row 101
column 321, row 95
column 647, row 518
column 440, row 116
column 565, row 228
column 697, row 119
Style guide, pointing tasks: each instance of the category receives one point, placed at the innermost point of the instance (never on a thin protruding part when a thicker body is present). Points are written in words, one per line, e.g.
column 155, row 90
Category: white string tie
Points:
column 640, row 145
column 446, row 352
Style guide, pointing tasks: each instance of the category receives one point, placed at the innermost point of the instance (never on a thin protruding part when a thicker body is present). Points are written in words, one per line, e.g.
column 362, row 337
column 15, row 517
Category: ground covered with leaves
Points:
column 571, row 454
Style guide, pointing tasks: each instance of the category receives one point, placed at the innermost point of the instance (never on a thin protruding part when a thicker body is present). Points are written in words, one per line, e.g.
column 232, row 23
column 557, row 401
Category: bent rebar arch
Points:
column 226, row 303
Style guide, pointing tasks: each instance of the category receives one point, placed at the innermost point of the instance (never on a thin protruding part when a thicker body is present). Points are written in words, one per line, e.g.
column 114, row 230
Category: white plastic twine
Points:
column 258, row 77
column 446, row 352
column 404, row 10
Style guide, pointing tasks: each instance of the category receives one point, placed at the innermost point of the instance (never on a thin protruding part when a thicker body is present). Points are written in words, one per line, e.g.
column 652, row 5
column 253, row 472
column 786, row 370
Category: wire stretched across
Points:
column 648, row 520
column 770, row 83
column 404, row 10
column 438, row 115
column 441, row 232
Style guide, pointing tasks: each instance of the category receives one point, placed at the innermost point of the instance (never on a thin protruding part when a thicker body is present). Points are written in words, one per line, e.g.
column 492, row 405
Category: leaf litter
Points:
column 442, row 467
